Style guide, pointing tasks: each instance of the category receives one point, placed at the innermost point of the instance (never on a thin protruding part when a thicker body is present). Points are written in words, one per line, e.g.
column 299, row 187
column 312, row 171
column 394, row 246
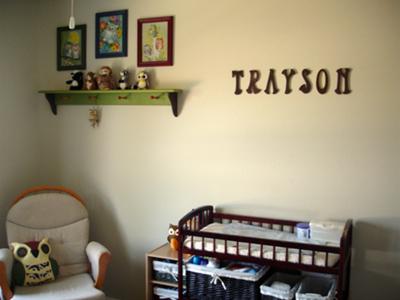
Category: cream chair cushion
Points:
column 62, row 219
column 66, row 288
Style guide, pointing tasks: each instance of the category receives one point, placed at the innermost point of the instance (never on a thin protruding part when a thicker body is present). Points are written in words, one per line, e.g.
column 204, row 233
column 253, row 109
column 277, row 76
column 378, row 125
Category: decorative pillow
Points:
column 33, row 264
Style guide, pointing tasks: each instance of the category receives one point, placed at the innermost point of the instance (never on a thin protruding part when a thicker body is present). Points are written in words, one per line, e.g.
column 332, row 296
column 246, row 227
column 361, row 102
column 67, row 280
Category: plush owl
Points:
column 173, row 233
column 142, row 81
column 33, row 265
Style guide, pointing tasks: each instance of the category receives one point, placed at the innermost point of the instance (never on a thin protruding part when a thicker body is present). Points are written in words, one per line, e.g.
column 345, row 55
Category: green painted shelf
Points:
column 113, row 97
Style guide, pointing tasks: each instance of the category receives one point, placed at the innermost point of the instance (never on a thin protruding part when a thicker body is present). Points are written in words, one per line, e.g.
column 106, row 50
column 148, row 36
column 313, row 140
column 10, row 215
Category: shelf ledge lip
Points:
column 83, row 92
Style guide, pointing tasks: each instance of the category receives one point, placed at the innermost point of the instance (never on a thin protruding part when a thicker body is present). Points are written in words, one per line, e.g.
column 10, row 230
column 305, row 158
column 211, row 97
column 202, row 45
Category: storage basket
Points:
column 222, row 284
column 166, row 271
column 165, row 293
column 272, row 288
column 316, row 288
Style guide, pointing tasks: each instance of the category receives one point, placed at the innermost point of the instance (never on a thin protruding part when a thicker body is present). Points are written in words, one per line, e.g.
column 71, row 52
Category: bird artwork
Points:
column 173, row 233
column 33, row 264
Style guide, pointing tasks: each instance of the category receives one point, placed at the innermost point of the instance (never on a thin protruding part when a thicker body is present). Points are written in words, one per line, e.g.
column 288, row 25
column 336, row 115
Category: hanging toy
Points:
column 76, row 82
column 142, row 81
column 94, row 117
column 123, row 80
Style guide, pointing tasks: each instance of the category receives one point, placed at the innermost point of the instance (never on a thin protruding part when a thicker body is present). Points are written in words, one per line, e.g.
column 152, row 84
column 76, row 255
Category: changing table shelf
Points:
column 162, row 252
column 113, row 97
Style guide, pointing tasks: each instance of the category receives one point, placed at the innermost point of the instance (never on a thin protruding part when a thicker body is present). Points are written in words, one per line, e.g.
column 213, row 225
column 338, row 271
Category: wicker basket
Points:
column 213, row 283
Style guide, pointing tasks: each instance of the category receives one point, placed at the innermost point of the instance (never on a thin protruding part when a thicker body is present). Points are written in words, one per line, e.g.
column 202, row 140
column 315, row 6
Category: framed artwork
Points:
column 155, row 42
column 71, row 48
column 112, row 34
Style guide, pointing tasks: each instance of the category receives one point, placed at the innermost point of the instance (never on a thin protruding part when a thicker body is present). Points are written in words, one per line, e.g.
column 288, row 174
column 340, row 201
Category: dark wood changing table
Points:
column 191, row 224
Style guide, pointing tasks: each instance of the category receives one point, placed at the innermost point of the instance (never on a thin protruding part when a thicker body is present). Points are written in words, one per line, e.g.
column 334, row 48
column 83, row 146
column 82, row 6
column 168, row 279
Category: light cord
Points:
column 72, row 18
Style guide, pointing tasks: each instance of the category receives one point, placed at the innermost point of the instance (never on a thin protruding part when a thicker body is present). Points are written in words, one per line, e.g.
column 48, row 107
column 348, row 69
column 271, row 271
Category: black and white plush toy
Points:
column 76, row 83
column 123, row 79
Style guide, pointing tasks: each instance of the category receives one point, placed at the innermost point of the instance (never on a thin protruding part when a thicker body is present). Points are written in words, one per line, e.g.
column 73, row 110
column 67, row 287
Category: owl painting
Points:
column 33, row 264
column 173, row 233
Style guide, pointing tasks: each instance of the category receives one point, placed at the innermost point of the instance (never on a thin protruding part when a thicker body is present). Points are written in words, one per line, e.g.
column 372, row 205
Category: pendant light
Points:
column 72, row 18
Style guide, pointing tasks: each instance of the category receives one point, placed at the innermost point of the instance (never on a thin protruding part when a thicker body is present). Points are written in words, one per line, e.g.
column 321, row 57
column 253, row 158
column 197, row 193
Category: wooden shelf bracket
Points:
column 51, row 98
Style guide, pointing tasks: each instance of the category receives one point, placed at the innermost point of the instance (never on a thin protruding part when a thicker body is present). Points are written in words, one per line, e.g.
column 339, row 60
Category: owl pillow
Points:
column 33, row 264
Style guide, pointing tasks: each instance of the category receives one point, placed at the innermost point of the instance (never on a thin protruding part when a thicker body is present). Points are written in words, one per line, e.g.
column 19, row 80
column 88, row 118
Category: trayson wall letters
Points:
column 269, row 86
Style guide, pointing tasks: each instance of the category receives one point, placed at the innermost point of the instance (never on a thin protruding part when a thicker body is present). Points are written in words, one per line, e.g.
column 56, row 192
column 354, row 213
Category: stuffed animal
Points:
column 90, row 82
column 33, row 264
column 76, row 83
column 142, row 81
column 123, row 80
column 173, row 233
column 104, row 79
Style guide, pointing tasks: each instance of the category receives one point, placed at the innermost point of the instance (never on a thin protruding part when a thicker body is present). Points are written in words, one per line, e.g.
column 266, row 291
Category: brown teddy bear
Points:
column 104, row 79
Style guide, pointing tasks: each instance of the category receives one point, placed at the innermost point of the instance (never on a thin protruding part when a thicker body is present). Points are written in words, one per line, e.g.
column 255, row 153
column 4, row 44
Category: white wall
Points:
column 295, row 156
column 18, row 114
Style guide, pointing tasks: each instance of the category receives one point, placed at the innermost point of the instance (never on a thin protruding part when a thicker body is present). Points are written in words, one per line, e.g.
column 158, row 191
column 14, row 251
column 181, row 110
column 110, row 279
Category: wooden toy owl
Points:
column 173, row 233
column 33, row 263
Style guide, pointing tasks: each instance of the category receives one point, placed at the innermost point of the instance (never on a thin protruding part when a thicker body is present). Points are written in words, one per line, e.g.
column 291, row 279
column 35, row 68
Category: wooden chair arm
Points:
column 5, row 287
column 105, row 259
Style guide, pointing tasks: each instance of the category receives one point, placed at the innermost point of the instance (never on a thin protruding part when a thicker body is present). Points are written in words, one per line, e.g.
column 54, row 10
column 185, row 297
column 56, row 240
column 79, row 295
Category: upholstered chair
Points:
column 60, row 215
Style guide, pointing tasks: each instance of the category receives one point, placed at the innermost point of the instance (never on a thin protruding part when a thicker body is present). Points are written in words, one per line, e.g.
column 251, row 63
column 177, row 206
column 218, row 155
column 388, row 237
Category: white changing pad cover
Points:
column 246, row 230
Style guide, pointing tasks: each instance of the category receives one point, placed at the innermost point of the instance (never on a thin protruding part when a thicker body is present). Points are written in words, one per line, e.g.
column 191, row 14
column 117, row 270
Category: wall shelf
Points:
column 113, row 97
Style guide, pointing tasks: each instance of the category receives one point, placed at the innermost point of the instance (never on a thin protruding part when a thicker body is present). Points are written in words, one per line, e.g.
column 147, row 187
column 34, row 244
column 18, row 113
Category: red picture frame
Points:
column 155, row 41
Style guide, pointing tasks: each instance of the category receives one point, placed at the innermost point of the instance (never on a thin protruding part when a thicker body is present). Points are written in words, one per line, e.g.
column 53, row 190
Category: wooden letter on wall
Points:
column 238, row 75
column 288, row 73
column 343, row 76
column 254, row 78
column 322, row 88
column 306, row 87
column 271, row 82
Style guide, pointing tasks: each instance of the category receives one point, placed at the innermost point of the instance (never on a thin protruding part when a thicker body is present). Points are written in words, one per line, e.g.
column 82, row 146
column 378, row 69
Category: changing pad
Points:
column 246, row 230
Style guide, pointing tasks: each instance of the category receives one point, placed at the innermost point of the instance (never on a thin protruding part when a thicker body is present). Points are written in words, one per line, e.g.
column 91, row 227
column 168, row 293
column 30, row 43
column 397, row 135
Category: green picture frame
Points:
column 71, row 48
